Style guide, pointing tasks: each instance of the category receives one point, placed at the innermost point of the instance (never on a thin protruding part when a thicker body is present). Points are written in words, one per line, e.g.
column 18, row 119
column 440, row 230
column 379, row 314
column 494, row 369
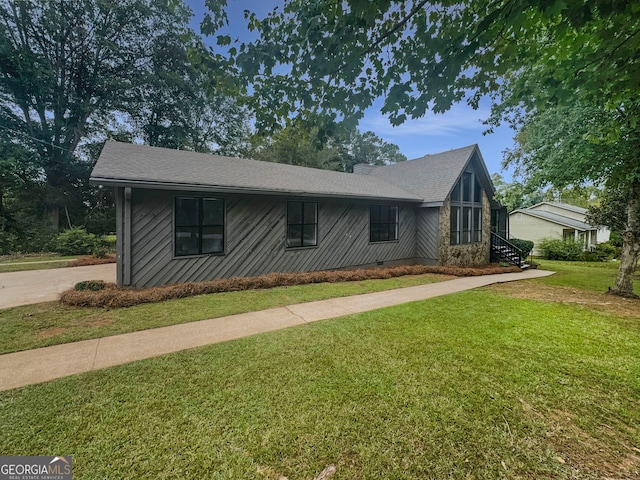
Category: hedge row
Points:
column 108, row 295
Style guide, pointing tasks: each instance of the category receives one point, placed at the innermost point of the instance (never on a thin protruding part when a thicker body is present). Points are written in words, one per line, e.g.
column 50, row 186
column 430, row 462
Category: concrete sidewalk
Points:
column 43, row 364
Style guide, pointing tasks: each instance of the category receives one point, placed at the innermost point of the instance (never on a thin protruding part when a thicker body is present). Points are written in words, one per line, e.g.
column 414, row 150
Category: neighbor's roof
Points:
column 126, row 164
column 565, row 206
column 432, row 177
column 555, row 218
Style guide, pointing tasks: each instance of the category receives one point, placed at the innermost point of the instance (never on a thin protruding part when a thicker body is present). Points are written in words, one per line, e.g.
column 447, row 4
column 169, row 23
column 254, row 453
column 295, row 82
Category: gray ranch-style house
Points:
column 188, row 217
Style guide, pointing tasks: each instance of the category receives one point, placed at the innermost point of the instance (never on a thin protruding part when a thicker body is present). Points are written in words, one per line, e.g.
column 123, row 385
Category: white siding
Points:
column 526, row 227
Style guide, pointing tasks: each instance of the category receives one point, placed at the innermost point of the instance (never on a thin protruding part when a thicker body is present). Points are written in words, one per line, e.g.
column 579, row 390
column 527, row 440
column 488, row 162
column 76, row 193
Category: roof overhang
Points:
column 115, row 182
column 556, row 221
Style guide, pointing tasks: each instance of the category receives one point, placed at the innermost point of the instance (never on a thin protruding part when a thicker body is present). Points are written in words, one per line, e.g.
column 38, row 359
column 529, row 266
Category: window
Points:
column 466, row 210
column 302, row 224
column 477, row 224
column 199, row 226
column 455, row 225
column 383, row 223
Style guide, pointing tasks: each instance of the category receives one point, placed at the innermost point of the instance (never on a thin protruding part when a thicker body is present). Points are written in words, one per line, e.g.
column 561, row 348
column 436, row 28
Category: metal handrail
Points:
column 501, row 245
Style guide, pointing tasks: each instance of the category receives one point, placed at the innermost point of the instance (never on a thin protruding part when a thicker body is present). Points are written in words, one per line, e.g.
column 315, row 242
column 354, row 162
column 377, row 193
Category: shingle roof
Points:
column 555, row 218
column 433, row 176
column 129, row 164
column 566, row 206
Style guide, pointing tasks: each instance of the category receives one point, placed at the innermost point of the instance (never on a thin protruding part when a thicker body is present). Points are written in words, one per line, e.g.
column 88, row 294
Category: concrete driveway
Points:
column 35, row 286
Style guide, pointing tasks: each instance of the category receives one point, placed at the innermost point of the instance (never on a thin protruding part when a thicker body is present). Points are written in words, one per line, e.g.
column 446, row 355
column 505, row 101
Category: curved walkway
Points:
column 43, row 364
column 35, row 286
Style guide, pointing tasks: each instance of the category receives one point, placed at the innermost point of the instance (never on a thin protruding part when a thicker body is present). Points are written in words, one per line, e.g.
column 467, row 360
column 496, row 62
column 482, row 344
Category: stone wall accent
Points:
column 469, row 254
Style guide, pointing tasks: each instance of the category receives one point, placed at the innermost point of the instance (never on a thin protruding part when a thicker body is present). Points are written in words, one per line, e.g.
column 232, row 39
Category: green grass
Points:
column 597, row 276
column 19, row 264
column 51, row 323
column 472, row 385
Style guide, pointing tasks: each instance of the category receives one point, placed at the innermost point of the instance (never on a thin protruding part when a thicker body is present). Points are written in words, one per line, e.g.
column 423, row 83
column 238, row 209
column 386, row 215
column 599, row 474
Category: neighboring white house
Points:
column 555, row 220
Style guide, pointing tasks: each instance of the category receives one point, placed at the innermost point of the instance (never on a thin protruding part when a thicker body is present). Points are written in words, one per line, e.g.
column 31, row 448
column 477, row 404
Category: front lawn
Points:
column 31, row 262
column 471, row 385
column 597, row 276
column 52, row 323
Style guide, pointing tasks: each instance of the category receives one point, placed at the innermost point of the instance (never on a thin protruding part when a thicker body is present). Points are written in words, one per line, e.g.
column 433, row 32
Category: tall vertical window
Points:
column 199, row 225
column 302, row 224
column 383, row 223
column 466, row 210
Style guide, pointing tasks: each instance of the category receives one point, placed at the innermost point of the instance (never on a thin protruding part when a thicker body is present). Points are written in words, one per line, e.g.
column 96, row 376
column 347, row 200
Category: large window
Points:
column 383, row 223
column 199, row 225
column 302, row 224
column 466, row 210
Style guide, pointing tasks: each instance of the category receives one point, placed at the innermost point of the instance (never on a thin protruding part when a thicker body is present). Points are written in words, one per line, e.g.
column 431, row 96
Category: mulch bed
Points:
column 91, row 260
column 109, row 295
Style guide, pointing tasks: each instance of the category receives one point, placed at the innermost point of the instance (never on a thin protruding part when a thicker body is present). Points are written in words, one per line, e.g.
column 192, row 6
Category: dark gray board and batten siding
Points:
column 427, row 235
column 255, row 239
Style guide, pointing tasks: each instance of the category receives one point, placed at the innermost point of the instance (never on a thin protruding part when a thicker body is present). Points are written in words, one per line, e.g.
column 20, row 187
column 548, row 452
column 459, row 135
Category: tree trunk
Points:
column 630, row 246
column 53, row 212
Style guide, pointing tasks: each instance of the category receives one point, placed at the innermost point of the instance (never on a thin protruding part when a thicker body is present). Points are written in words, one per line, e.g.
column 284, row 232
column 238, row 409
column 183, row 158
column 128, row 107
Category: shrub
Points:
column 590, row 256
column 525, row 245
column 32, row 239
column 555, row 249
column 8, row 240
column 108, row 242
column 92, row 285
column 75, row 241
column 605, row 251
column 615, row 239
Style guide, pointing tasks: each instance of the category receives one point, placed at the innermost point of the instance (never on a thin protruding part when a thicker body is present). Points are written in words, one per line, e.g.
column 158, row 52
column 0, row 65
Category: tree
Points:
column 75, row 72
column 178, row 105
column 335, row 57
column 515, row 195
column 295, row 145
column 367, row 147
column 580, row 196
column 66, row 66
column 564, row 146
column 298, row 144
column 610, row 211
column 72, row 69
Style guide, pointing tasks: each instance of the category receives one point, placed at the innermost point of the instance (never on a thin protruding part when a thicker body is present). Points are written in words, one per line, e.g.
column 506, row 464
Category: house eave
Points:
column 115, row 182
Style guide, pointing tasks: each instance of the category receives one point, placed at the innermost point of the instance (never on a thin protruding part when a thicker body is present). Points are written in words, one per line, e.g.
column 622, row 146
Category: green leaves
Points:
column 422, row 56
column 216, row 18
column 321, row 143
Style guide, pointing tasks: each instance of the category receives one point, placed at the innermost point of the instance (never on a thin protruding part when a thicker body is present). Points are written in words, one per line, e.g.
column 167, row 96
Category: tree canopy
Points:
column 297, row 144
column 336, row 57
column 75, row 72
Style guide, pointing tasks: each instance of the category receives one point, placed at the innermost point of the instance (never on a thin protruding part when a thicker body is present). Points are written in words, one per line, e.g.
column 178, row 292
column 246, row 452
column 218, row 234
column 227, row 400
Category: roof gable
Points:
column 433, row 177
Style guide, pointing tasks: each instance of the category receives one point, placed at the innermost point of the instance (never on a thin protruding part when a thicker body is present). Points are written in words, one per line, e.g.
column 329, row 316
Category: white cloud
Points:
column 459, row 120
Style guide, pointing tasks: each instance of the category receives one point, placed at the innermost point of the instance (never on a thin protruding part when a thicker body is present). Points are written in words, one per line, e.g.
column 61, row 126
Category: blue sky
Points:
column 432, row 133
